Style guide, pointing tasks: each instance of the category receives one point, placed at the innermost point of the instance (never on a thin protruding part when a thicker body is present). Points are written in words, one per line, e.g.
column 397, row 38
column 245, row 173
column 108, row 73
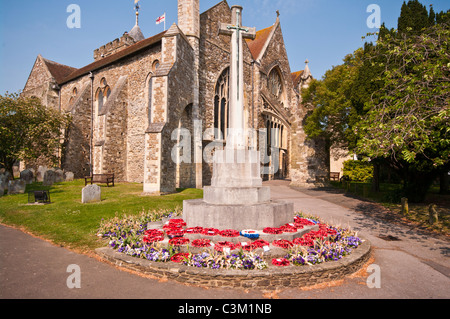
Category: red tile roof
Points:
column 58, row 71
column 296, row 77
column 258, row 43
column 132, row 49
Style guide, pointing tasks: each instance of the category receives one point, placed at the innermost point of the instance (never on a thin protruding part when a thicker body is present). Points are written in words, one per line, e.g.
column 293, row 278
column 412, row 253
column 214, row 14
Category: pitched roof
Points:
column 296, row 77
column 58, row 71
column 132, row 49
column 258, row 44
column 137, row 34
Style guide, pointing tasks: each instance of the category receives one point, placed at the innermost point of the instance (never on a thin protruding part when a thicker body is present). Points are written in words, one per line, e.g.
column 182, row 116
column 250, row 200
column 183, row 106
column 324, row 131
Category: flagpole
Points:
column 164, row 21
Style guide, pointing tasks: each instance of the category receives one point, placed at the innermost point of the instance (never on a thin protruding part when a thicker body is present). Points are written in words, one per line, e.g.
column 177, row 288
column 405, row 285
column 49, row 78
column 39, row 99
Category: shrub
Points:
column 358, row 171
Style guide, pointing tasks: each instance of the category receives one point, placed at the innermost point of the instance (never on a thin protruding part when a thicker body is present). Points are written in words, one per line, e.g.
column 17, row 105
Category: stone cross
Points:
column 237, row 32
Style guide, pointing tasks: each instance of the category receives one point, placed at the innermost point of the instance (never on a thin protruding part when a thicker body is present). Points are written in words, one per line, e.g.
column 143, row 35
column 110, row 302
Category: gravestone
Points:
column 69, row 176
column 2, row 190
column 16, row 187
column 53, row 176
column 236, row 198
column 4, row 179
column 27, row 176
column 40, row 173
column 91, row 194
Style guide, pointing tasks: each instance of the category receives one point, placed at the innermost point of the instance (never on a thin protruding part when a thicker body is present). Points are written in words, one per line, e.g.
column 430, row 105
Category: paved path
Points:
column 417, row 266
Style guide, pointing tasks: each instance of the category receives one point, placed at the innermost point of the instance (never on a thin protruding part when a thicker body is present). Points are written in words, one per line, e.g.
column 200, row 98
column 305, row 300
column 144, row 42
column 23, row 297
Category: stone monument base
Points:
column 198, row 213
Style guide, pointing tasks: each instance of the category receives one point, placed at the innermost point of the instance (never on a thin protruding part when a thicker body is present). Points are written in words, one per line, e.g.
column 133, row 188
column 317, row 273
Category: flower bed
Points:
column 326, row 244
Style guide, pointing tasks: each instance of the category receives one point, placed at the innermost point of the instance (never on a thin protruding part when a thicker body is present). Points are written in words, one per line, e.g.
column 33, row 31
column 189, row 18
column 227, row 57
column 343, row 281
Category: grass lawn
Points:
column 68, row 222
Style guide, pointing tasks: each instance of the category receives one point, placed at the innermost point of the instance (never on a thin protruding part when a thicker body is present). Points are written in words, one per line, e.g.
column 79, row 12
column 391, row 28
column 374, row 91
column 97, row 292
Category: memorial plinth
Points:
column 237, row 199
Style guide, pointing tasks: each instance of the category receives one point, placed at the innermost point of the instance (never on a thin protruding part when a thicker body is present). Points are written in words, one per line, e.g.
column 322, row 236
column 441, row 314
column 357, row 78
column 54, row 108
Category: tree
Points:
column 28, row 130
column 333, row 113
column 413, row 18
column 407, row 121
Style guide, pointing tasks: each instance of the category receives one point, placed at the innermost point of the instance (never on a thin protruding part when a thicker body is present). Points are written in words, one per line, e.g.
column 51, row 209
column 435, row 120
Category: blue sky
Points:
column 322, row 31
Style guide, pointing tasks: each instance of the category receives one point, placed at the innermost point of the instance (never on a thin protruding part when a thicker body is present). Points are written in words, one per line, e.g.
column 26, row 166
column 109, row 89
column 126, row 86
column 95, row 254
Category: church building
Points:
column 152, row 110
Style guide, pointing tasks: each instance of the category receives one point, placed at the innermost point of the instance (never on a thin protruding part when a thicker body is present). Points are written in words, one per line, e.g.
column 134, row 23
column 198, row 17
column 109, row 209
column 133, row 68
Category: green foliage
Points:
column 413, row 17
column 333, row 112
column 358, row 171
column 389, row 101
column 409, row 115
column 29, row 130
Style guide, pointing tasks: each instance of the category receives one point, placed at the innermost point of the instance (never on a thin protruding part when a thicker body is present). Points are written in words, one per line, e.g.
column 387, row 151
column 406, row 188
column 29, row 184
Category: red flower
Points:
column 271, row 230
column 178, row 258
column 281, row 262
column 223, row 244
column 194, row 230
column 210, row 231
column 247, row 246
column 179, row 241
column 154, row 232
column 289, row 228
column 153, row 239
column 282, row 243
column 304, row 241
column 175, row 233
column 178, row 222
column 229, row 233
column 303, row 221
column 200, row 243
column 260, row 243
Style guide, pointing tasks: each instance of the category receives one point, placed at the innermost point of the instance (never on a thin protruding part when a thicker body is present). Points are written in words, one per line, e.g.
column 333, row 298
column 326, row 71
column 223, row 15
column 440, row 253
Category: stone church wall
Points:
column 127, row 119
column 75, row 157
column 179, row 105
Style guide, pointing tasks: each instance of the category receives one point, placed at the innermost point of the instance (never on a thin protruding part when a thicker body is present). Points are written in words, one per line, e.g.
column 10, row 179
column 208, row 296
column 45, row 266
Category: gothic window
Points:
column 107, row 92
column 74, row 95
column 99, row 101
column 274, row 83
column 221, row 105
column 150, row 94
column 103, row 93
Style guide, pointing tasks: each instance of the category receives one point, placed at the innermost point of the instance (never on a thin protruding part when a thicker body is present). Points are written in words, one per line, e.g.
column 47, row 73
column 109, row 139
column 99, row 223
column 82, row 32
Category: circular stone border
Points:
column 272, row 278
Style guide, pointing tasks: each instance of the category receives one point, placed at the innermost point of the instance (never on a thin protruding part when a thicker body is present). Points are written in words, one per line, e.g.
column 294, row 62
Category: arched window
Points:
column 107, row 93
column 221, row 105
column 99, row 101
column 150, row 95
column 155, row 65
column 274, row 83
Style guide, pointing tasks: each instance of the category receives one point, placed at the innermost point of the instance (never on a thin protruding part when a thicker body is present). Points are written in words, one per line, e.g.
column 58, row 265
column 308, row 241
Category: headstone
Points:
column 59, row 176
column 16, row 187
column 2, row 190
column 41, row 173
column 91, row 194
column 69, row 177
column 51, row 177
column 5, row 178
column 27, row 176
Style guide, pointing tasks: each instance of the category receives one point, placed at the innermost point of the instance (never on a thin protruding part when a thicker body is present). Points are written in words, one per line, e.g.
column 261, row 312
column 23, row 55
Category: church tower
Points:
column 189, row 17
column 189, row 23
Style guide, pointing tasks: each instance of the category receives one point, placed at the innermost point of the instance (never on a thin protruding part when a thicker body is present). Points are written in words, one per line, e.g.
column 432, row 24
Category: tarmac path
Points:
column 415, row 266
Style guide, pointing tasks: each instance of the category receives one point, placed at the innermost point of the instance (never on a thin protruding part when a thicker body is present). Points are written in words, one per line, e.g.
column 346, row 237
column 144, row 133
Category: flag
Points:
column 161, row 19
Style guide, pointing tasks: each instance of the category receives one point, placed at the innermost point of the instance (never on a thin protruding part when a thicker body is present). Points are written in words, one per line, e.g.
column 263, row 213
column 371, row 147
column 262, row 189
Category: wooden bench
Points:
column 334, row 176
column 99, row 179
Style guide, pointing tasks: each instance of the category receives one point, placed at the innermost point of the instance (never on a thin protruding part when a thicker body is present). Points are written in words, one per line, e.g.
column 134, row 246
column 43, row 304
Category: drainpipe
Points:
column 253, row 93
column 91, row 76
